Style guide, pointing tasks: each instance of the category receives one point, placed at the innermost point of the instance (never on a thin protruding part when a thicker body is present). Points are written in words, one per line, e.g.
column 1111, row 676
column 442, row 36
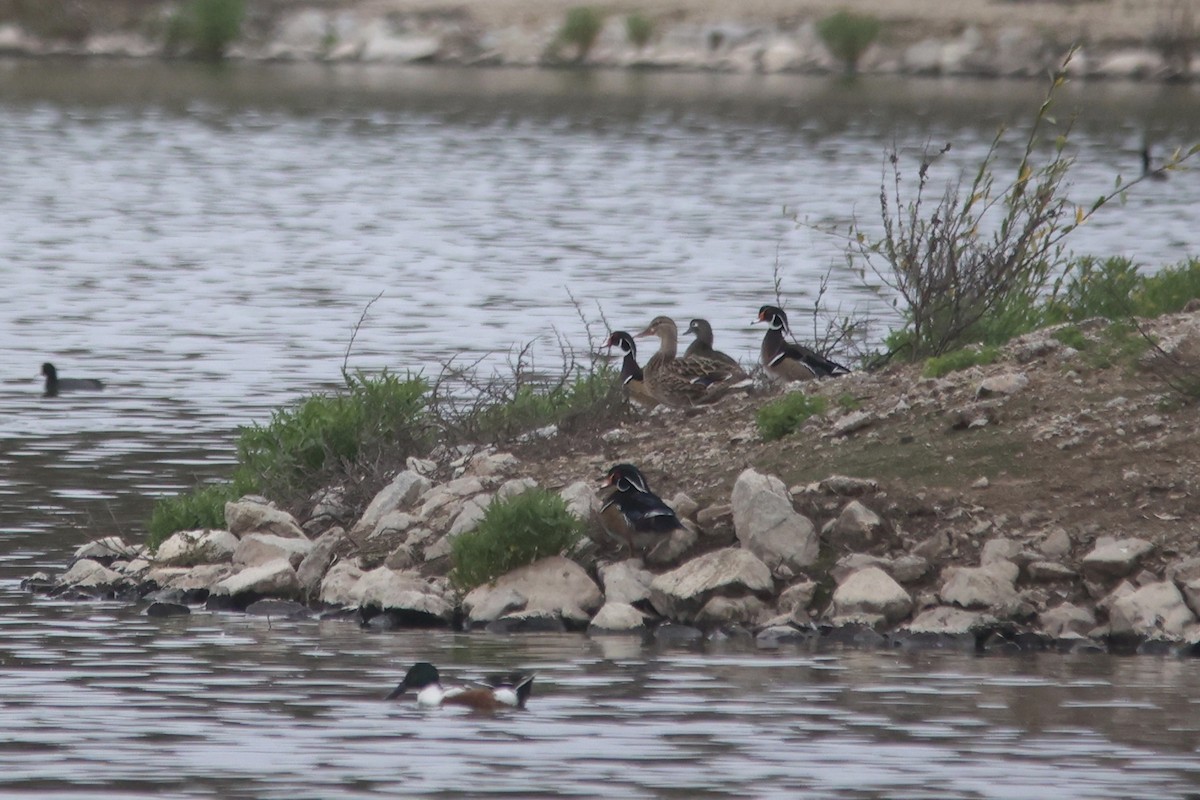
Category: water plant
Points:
column 513, row 532
column 639, row 29
column 581, row 28
column 785, row 415
column 847, row 36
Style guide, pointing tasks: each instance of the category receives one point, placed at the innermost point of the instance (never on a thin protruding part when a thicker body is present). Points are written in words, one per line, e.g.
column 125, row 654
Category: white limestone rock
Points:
column 274, row 579
column 871, row 592
column 404, row 490
column 252, row 514
column 190, row 548
column 626, row 582
column 256, row 549
column 554, row 585
column 1156, row 611
column 1114, row 558
column 682, row 592
column 768, row 526
column 617, row 618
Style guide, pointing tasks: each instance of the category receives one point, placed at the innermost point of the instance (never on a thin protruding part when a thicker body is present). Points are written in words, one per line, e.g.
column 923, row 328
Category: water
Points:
column 205, row 241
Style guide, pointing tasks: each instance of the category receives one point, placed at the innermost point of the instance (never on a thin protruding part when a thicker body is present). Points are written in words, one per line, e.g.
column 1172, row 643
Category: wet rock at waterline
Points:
column 555, row 585
column 253, row 514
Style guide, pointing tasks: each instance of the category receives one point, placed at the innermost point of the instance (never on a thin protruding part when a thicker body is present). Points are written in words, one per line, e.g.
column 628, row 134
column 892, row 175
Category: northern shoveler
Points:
column 509, row 690
column 791, row 362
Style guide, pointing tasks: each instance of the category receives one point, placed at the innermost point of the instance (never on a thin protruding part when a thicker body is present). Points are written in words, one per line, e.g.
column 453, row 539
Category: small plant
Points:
column 848, row 402
column 848, row 35
column 206, row 28
column 785, row 415
column 581, row 29
column 1072, row 337
column 202, row 507
column 937, row 366
column 1168, row 290
column 514, row 532
column 639, row 28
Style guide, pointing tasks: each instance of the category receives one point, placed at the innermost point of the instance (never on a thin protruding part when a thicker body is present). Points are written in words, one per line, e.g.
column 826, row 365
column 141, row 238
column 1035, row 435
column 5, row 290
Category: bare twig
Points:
column 354, row 334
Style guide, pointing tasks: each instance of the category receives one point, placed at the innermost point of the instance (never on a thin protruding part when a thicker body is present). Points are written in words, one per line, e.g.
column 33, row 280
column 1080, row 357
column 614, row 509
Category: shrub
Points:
column 514, row 532
column 206, row 28
column 202, row 507
column 782, row 417
column 848, row 35
column 1072, row 337
column 581, row 28
column 328, row 437
column 1168, row 290
column 639, row 28
column 937, row 366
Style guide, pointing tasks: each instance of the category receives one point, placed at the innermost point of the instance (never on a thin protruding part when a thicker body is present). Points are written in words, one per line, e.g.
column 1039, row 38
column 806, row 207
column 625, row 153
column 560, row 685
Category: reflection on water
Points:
column 102, row 701
column 204, row 241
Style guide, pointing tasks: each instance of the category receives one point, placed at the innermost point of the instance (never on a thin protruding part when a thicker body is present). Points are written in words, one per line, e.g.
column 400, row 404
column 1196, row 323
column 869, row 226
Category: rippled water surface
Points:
column 205, row 242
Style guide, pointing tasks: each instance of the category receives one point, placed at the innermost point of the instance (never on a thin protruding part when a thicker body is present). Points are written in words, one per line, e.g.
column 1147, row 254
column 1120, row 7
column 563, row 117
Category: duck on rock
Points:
column 787, row 361
column 632, row 377
column 688, row 381
column 633, row 514
column 510, row 690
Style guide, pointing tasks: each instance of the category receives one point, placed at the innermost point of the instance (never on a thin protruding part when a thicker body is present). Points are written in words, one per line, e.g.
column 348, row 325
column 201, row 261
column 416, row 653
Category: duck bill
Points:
column 644, row 334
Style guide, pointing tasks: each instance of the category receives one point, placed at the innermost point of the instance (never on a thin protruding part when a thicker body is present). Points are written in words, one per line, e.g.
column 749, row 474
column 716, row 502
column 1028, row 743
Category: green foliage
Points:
column 1095, row 288
column 206, row 28
column 202, row 507
column 937, row 366
column 325, row 436
column 1072, row 337
column 785, row 415
column 848, row 402
column 581, row 28
column 639, row 28
column 1168, row 290
column 514, row 532
column 848, row 35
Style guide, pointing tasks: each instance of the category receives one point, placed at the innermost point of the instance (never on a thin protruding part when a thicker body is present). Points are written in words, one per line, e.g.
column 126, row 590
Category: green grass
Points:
column 938, row 366
column 318, row 439
column 848, row 402
column 581, row 28
column 590, row 397
column 848, row 35
column 785, row 415
column 1072, row 337
column 202, row 507
column 639, row 29
column 206, row 28
column 514, row 532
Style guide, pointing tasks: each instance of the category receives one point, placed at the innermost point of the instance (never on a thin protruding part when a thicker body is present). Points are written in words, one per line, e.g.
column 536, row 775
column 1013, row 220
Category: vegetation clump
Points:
column 785, row 415
column 938, row 366
column 639, row 29
column 514, row 532
column 201, row 508
column 847, row 36
column 581, row 28
column 206, row 28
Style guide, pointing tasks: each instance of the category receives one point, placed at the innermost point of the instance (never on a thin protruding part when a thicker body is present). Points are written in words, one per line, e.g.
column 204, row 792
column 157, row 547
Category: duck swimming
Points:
column 55, row 384
column 510, row 690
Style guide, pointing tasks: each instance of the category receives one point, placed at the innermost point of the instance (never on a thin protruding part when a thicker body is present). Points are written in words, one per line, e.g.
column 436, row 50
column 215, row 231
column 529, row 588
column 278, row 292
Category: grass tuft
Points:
column 581, row 28
column 202, row 507
column 848, row 35
column 640, row 29
column 533, row 525
column 939, row 366
column 785, row 415
column 206, row 28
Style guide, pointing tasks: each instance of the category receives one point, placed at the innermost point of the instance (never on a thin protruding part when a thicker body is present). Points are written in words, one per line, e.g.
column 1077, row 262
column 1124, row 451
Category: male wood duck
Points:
column 702, row 347
column 632, row 513
column 510, row 690
column 684, row 382
column 55, row 384
column 631, row 374
column 787, row 361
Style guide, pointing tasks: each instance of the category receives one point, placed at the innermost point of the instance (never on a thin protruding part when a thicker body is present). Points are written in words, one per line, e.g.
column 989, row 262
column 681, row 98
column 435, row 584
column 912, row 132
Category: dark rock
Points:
column 672, row 633
column 853, row 636
column 777, row 635
column 160, row 609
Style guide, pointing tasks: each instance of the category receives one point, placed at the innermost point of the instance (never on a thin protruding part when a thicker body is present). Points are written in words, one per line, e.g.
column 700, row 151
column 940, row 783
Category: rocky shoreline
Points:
column 976, row 38
column 1043, row 502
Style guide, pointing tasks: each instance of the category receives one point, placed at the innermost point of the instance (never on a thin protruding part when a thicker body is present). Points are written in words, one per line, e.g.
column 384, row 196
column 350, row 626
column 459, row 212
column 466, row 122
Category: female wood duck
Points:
column 633, row 514
column 55, row 384
column 787, row 361
column 684, row 382
column 631, row 374
column 702, row 347
column 501, row 691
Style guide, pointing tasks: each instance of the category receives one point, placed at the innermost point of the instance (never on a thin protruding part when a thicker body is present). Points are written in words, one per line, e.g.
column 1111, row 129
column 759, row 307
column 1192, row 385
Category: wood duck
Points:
column 702, row 347
column 684, row 382
column 633, row 514
column 632, row 377
column 509, row 690
column 55, row 384
column 787, row 361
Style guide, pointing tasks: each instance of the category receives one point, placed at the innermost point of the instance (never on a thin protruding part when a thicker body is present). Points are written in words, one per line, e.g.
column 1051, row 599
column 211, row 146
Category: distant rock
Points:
column 949, row 621
column 1156, row 610
column 991, row 587
column 314, row 565
column 682, row 592
column 190, row 548
column 274, row 579
column 1067, row 621
column 337, row 587
column 107, row 550
column 870, row 593
column 580, row 498
column 409, row 598
column 91, row 576
column 768, row 526
column 1008, row 383
column 617, row 618
column 253, row 514
column 555, row 585
column 626, row 582
column 256, row 549
column 857, row 528
column 404, row 490
column 1114, row 558
column 848, row 486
